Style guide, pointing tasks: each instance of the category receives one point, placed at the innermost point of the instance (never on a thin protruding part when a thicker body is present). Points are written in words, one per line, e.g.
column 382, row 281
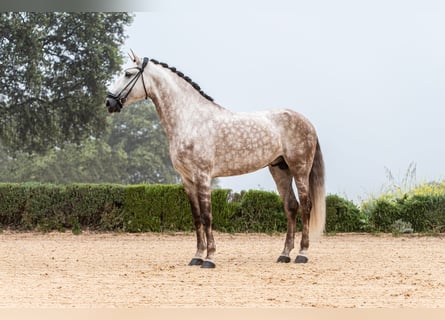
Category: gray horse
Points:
column 208, row 141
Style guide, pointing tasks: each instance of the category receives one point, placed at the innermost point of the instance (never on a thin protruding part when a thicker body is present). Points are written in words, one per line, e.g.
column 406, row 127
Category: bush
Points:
column 157, row 208
column 141, row 208
column 45, row 208
column 95, row 206
column 422, row 209
column 12, row 203
column 260, row 211
column 137, row 215
column 223, row 210
column 175, row 209
column 382, row 214
column 48, row 207
column 425, row 213
column 343, row 215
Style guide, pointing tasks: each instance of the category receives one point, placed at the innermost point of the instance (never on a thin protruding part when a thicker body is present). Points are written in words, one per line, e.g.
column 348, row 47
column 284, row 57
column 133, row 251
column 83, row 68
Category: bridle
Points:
column 120, row 98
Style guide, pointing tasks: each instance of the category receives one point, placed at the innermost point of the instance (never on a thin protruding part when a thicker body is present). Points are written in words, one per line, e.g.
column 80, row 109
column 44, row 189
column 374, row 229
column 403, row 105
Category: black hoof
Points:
column 208, row 265
column 301, row 259
column 196, row 262
column 283, row 259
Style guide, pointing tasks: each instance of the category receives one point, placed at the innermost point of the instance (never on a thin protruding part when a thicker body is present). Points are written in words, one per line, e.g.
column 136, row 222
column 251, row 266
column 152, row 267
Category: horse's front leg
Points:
column 199, row 195
column 201, row 245
column 205, row 207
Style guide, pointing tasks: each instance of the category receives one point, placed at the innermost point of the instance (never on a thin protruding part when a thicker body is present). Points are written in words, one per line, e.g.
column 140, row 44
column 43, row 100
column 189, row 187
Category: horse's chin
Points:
column 113, row 105
column 114, row 109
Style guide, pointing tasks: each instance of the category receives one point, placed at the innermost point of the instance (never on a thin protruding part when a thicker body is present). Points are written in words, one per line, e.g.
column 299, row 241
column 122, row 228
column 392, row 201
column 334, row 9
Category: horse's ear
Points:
column 135, row 58
column 131, row 58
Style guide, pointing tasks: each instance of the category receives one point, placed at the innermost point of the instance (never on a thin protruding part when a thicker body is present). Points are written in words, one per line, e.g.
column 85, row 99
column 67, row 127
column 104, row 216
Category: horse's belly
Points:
column 235, row 160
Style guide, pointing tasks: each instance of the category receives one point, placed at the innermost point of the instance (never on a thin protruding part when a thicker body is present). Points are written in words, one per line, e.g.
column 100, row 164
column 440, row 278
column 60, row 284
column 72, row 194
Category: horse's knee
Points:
column 206, row 219
column 292, row 206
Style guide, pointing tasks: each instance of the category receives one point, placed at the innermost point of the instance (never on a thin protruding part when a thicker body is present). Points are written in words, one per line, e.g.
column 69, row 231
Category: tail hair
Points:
column 317, row 195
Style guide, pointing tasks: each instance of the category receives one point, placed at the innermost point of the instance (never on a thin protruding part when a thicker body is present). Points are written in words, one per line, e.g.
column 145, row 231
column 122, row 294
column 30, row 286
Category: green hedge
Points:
column 259, row 211
column 344, row 216
column 104, row 207
column 142, row 208
column 419, row 213
column 12, row 204
column 55, row 207
column 156, row 208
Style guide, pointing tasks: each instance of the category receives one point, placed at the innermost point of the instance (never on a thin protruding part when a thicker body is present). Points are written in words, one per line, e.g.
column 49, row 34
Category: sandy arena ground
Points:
column 150, row 270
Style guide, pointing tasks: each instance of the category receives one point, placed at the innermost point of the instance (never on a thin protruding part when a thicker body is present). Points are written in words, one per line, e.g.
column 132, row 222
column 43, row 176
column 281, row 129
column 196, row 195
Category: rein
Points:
column 120, row 97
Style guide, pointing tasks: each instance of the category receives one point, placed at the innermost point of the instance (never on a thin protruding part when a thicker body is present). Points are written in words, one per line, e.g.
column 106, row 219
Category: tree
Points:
column 53, row 73
column 134, row 149
column 138, row 133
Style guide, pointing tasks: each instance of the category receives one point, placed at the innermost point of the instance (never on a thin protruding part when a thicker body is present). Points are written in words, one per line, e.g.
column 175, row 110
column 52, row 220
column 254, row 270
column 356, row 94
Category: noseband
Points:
column 120, row 97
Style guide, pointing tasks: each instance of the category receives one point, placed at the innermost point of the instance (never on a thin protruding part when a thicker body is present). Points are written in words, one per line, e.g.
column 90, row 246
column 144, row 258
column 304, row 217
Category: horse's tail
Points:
column 317, row 195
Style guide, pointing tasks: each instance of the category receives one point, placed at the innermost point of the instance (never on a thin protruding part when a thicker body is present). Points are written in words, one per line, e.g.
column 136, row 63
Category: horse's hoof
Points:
column 283, row 259
column 196, row 262
column 207, row 264
column 301, row 259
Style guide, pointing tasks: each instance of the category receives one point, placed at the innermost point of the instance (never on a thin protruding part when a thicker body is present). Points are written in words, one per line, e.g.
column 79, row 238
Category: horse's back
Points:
column 290, row 120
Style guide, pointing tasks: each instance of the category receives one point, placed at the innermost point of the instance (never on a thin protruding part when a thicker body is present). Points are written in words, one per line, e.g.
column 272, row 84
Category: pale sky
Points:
column 370, row 75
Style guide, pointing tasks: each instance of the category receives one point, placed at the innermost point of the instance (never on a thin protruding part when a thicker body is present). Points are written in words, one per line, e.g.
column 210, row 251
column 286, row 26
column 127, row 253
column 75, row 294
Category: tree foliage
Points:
column 138, row 134
column 134, row 149
column 53, row 73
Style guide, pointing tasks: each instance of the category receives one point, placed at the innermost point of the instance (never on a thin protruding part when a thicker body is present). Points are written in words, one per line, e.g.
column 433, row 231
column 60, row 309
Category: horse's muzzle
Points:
column 113, row 104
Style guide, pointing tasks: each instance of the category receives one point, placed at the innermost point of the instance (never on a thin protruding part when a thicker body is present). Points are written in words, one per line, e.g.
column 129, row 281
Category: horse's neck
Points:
column 176, row 101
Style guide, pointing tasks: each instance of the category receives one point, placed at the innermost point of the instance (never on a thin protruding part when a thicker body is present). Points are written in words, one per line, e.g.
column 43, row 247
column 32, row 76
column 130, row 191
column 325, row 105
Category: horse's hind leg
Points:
column 283, row 180
column 302, row 182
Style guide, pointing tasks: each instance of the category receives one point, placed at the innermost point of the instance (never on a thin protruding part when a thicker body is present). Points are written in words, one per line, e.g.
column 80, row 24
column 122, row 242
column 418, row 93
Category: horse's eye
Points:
column 127, row 74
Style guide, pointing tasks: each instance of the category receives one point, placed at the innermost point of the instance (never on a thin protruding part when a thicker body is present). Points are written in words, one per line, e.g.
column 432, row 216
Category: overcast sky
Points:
column 370, row 75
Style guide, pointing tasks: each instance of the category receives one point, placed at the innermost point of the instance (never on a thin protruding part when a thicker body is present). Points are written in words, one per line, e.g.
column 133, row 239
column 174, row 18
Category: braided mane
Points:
column 181, row 75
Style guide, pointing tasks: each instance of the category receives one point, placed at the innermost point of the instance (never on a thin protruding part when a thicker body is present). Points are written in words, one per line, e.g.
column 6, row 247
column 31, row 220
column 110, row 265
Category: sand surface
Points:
column 150, row 270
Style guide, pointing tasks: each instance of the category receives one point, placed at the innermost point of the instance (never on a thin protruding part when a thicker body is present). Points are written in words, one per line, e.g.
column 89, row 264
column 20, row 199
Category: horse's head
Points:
column 129, row 87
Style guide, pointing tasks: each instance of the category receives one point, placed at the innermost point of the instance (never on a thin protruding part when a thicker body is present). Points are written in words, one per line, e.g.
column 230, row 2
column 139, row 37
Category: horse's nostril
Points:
column 107, row 102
